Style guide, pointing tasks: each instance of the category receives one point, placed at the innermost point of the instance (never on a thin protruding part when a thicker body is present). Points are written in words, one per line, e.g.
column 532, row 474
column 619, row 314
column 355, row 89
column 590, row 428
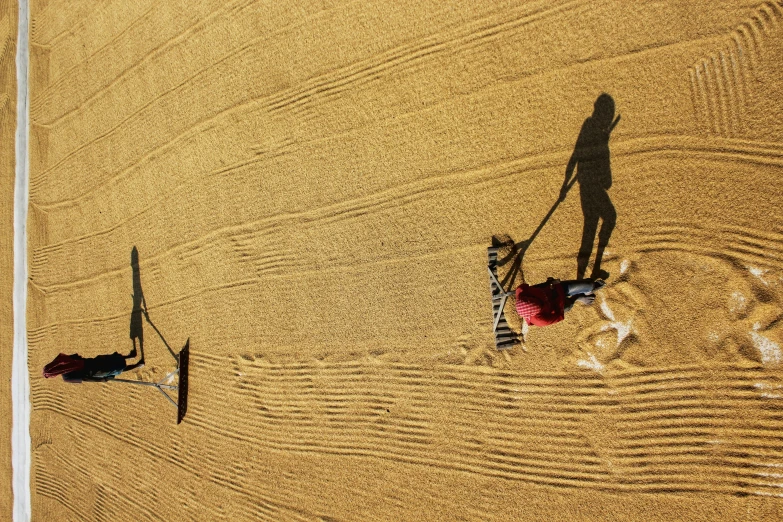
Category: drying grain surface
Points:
column 312, row 186
column 8, row 27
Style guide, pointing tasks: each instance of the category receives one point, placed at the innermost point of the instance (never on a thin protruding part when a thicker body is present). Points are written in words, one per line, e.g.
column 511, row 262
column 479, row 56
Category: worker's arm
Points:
column 614, row 124
column 572, row 162
column 569, row 172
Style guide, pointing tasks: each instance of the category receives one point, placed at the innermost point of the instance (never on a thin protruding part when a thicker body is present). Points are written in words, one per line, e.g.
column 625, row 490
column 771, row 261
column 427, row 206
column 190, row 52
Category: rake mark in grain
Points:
column 186, row 461
column 720, row 99
column 5, row 37
column 251, row 233
column 668, row 441
column 352, row 74
column 38, row 107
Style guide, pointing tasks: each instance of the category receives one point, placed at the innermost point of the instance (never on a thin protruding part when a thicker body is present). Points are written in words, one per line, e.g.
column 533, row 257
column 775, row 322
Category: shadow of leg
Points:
column 137, row 333
column 133, row 351
column 141, row 349
column 586, row 248
column 608, row 222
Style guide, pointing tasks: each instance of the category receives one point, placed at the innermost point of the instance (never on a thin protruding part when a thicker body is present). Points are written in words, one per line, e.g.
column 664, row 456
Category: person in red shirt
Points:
column 546, row 303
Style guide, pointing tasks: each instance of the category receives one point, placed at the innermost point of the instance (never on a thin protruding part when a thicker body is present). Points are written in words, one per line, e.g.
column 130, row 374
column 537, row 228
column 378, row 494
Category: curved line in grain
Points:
column 373, row 64
column 160, row 453
column 424, row 186
column 225, row 113
column 509, row 466
column 168, row 43
column 159, row 49
column 59, row 15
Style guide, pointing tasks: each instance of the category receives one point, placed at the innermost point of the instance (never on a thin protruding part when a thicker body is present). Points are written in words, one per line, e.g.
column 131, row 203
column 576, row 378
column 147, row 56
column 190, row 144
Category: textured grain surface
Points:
column 8, row 27
column 312, row 187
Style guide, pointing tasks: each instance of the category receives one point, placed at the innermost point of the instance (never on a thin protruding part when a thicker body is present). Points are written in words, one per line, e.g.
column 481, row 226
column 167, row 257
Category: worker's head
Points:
column 134, row 257
column 63, row 364
column 603, row 110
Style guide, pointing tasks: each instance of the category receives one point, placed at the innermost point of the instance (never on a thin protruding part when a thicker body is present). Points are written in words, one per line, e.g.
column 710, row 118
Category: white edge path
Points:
column 20, row 380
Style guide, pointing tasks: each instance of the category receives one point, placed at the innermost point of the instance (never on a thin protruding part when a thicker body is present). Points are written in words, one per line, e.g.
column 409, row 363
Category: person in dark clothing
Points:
column 75, row 368
column 591, row 159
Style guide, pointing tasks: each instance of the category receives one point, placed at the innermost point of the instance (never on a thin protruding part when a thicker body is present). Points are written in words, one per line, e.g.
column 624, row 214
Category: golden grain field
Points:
column 312, row 186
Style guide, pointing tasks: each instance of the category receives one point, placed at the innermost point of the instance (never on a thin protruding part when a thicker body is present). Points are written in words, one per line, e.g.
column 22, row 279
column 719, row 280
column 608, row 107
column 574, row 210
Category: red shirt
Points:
column 541, row 305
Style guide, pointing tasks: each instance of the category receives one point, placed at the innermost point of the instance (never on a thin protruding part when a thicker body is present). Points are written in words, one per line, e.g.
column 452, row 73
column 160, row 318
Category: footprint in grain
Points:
column 753, row 331
column 620, row 324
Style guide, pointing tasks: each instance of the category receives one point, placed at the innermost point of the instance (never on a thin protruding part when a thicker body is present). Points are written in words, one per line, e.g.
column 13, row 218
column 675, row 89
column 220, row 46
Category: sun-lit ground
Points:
column 312, row 188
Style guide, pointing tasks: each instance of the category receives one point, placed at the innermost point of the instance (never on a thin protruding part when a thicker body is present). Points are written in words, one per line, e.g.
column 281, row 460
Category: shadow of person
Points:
column 591, row 159
column 139, row 311
column 139, row 306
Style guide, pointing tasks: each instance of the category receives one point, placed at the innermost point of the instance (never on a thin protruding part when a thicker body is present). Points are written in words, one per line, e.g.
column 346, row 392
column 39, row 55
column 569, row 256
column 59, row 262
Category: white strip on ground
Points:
column 20, row 380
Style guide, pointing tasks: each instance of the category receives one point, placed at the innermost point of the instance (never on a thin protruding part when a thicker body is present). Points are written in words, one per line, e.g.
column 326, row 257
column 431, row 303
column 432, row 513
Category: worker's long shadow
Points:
column 140, row 310
column 139, row 305
column 592, row 162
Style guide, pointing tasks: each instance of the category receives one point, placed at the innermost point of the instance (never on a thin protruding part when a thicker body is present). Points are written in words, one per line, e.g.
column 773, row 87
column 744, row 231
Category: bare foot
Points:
column 586, row 299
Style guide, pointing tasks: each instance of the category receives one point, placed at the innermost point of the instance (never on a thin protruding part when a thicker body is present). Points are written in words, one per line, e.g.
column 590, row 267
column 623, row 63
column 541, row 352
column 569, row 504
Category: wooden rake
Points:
column 505, row 338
